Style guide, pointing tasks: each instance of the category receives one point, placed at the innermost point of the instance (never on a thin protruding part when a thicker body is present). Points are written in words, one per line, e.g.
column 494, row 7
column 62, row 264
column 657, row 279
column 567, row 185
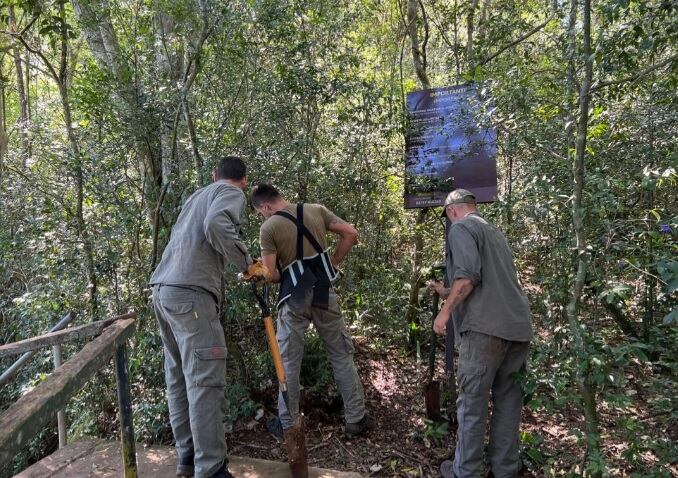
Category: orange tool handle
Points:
column 275, row 350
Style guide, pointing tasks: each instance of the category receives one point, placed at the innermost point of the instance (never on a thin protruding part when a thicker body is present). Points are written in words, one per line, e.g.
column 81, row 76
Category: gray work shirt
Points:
column 497, row 305
column 205, row 236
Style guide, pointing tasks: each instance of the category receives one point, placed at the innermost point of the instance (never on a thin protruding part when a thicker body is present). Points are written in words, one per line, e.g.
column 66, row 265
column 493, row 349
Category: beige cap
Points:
column 459, row 196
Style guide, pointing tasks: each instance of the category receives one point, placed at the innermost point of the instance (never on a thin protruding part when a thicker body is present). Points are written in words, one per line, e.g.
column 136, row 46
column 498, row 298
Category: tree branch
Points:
column 19, row 36
column 636, row 77
column 156, row 225
column 518, row 40
column 32, row 182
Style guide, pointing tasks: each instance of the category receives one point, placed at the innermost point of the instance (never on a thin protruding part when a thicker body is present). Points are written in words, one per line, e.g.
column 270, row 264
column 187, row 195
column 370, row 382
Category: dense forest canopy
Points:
column 113, row 112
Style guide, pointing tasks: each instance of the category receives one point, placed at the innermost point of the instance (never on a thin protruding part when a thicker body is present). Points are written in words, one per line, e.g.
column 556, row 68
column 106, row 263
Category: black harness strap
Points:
column 302, row 231
column 314, row 273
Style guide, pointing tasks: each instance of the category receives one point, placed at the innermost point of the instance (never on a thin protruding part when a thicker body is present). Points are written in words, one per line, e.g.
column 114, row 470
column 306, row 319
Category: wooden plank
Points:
column 32, row 412
column 67, row 335
column 96, row 458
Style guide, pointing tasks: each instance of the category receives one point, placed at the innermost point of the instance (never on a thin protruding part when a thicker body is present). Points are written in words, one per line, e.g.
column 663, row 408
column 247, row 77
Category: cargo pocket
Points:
column 210, row 367
column 471, row 377
column 348, row 342
column 182, row 316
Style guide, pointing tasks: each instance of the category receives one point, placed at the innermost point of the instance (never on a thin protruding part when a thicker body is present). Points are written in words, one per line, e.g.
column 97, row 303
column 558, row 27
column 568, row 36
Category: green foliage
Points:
column 316, row 374
column 311, row 93
column 531, row 451
column 436, row 430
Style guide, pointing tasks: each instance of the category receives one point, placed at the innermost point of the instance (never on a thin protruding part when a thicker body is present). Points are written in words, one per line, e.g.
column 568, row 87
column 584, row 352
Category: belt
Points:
column 194, row 288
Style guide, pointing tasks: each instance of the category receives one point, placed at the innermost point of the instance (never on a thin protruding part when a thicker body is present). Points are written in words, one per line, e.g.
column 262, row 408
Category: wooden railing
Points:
column 21, row 362
column 34, row 410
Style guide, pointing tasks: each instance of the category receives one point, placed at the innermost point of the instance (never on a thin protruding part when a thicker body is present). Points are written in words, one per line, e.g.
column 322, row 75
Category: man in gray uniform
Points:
column 186, row 286
column 492, row 317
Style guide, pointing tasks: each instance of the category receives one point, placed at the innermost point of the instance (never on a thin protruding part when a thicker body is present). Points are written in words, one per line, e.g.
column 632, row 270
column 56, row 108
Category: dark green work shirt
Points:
column 497, row 305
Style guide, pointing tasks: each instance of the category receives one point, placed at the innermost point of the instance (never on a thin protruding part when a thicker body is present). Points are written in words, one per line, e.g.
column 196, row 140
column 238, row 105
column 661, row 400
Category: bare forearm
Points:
column 275, row 276
column 270, row 261
column 460, row 290
column 345, row 244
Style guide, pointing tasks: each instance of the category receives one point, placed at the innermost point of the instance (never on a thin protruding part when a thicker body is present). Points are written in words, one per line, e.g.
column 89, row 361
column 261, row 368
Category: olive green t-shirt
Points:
column 497, row 305
column 278, row 235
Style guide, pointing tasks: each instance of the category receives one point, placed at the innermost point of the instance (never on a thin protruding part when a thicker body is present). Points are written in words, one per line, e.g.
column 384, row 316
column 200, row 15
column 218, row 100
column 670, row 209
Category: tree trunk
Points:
column 95, row 21
column 154, row 130
column 418, row 52
column 167, row 67
column 76, row 159
column 21, row 92
column 586, row 388
column 650, row 277
column 82, row 228
column 457, row 60
column 4, row 138
column 416, row 281
column 470, row 18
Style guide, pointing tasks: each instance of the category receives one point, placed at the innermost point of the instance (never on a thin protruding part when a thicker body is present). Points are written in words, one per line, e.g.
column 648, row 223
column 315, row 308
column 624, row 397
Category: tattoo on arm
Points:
column 460, row 290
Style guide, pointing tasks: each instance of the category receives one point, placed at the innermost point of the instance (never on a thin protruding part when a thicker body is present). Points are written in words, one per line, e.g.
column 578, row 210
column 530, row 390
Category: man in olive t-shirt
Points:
column 278, row 237
column 492, row 317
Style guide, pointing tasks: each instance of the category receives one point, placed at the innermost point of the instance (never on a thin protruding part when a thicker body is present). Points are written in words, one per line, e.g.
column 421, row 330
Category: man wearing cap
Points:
column 492, row 319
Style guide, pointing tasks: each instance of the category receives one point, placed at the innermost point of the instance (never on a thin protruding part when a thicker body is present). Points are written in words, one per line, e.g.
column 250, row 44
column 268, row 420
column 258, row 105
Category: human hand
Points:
column 437, row 287
column 256, row 272
column 440, row 324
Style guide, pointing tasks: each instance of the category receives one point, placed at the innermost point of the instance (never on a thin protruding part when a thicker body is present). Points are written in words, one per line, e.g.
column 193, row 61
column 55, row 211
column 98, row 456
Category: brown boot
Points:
column 295, row 446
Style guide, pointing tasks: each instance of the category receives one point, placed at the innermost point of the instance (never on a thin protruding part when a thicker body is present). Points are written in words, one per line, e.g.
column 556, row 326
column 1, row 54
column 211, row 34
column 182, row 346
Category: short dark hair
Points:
column 231, row 167
column 262, row 193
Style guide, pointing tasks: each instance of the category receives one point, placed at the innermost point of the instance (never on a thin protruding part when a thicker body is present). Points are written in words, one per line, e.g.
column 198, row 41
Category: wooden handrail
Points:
column 70, row 334
column 13, row 369
column 33, row 411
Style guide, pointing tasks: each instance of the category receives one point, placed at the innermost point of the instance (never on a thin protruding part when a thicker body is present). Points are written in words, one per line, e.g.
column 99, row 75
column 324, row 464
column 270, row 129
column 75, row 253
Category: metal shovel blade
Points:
column 432, row 400
column 295, row 445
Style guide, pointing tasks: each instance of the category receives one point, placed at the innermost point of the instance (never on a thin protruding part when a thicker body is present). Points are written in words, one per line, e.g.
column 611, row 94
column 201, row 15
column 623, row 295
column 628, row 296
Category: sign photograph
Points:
column 447, row 148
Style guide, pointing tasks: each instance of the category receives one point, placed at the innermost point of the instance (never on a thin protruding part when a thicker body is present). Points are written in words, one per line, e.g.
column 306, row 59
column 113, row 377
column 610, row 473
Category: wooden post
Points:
column 61, row 419
column 129, row 454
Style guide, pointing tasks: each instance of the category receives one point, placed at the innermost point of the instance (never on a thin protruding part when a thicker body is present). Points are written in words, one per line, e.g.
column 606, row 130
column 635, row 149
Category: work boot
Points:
column 446, row 469
column 275, row 428
column 185, row 468
column 365, row 424
column 223, row 473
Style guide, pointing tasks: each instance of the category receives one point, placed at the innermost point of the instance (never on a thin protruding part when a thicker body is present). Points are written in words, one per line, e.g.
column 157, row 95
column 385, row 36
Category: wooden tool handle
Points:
column 275, row 350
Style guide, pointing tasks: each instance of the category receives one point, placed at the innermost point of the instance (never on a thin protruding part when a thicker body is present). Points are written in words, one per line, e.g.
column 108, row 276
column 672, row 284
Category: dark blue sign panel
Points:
column 448, row 146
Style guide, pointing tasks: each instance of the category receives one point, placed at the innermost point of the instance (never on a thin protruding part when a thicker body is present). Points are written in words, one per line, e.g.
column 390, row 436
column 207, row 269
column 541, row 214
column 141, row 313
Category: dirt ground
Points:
column 399, row 447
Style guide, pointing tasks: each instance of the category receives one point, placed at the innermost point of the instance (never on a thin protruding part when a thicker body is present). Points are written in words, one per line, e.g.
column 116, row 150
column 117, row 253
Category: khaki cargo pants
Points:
column 292, row 324
column 195, row 373
column 488, row 364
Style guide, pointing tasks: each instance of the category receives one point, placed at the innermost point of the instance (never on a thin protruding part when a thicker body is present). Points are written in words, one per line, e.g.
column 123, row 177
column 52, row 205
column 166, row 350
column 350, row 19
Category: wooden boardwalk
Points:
column 101, row 459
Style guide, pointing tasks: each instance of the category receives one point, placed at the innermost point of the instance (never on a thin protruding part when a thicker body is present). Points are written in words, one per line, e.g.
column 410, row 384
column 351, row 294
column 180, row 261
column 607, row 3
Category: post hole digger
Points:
column 432, row 387
column 436, row 393
column 295, row 439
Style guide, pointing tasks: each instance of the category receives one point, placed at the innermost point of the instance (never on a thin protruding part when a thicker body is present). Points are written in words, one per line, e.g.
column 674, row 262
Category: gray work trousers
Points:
column 488, row 364
column 292, row 324
column 195, row 374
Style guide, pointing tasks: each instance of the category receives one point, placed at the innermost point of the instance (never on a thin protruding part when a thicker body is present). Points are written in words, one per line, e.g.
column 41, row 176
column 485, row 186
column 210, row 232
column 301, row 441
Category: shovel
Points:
column 295, row 439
